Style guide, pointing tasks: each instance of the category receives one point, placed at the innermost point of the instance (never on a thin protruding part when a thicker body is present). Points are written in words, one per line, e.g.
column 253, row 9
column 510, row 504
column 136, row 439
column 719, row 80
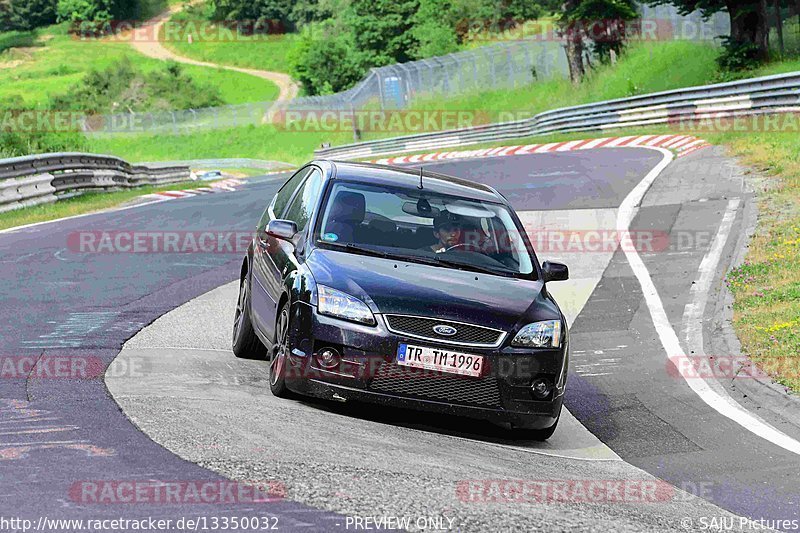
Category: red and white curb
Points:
column 682, row 144
column 215, row 187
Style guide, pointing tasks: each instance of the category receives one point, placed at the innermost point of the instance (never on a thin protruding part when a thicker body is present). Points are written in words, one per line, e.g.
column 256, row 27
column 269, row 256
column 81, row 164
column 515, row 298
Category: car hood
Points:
column 390, row 286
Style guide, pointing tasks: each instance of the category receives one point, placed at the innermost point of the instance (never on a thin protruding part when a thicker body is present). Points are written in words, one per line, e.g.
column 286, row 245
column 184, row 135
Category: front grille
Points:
column 482, row 392
column 417, row 326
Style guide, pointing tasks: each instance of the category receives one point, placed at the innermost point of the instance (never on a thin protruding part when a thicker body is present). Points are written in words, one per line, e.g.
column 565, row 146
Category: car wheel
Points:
column 277, row 367
column 246, row 344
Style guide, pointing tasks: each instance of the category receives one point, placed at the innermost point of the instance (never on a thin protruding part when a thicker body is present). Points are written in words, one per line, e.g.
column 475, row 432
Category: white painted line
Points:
column 676, row 140
column 527, row 148
column 568, row 146
column 693, row 143
column 724, row 405
column 657, row 140
column 507, row 150
column 594, row 143
column 677, row 145
column 639, row 140
column 545, row 148
column 617, row 141
column 693, row 325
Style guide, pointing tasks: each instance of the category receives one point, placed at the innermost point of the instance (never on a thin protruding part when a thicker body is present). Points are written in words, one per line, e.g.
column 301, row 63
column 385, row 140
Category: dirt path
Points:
column 153, row 48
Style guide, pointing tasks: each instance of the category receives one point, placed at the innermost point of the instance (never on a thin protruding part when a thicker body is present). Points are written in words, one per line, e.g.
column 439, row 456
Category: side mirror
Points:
column 555, row 271
column 282, row 229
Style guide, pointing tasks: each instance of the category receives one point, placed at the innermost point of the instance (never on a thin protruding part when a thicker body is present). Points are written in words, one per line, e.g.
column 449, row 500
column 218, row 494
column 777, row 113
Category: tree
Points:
column 325, row 61
column 749, row 27
column 604, row 23
column 24, row 15
column 262, row 15
column 95, row 12
column 573, row 36
column 383, row 30
column 434, row 30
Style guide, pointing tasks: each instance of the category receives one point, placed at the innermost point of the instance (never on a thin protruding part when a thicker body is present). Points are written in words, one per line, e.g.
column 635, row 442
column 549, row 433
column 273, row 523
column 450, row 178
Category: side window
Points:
column 279, row 201
column 303, row 204
column 285, row 194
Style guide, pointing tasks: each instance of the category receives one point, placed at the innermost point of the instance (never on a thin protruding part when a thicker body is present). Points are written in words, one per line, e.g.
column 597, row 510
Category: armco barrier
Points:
column 38, row 179
column 769, row 94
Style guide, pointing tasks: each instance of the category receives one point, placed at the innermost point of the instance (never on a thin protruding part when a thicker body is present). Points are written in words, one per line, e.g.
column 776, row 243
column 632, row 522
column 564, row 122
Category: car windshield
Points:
column 423, row 226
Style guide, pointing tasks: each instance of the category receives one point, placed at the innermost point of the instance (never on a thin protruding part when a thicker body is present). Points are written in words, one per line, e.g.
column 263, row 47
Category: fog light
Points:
column 328, row 358
column 541, row 389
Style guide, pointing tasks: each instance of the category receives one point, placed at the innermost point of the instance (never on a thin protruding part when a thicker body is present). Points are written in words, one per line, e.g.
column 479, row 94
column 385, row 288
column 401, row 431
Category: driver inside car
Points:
column 447, row 229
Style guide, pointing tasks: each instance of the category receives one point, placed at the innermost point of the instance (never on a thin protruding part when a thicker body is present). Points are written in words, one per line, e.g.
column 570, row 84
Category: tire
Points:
column 246, row 345
column 277, row 366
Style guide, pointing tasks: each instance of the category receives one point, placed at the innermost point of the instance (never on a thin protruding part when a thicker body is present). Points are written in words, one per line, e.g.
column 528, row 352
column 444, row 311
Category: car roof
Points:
column 372, row 173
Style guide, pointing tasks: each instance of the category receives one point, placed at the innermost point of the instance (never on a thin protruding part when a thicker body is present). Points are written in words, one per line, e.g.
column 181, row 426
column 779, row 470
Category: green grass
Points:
column 57, row 60
column 263, row 52
column 645, row 68
column 257, row 142
column 85, row 203
column 767, row 287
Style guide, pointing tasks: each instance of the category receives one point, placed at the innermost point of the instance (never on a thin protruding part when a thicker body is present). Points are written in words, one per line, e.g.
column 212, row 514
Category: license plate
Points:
column 443, row 360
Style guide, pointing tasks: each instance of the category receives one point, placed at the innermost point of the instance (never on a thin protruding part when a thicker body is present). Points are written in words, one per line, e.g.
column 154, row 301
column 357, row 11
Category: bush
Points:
column 434, row 34
column 94, row 16
column 16, row 39
column 16, row 144
column 121, row 88
column 325, row 61
column 23, row 15
column 738, row 56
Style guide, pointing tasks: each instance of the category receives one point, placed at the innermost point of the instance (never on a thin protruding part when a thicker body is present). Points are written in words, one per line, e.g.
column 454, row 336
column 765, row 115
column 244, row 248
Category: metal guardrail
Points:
column 768, row 94
column 37, row 179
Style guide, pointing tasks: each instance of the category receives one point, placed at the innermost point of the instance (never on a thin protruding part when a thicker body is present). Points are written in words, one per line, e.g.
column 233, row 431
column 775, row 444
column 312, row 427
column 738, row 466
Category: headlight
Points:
column 341, row 305
column 545, row 334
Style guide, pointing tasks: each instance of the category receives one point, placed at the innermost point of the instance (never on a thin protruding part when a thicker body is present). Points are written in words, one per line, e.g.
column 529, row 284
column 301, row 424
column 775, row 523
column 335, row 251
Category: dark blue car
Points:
column 407, row 288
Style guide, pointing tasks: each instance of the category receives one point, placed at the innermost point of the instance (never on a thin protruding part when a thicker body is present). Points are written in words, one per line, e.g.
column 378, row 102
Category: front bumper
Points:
column 369, row 372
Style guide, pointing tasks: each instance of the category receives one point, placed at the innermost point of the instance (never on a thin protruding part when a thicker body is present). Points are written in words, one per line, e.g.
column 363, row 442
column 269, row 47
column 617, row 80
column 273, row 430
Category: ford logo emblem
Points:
column 443, row 329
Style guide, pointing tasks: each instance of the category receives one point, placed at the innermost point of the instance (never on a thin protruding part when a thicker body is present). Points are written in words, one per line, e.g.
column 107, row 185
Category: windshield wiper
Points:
column 432, row 261
column 438, row 261
column 471, row 266
column 359, row 249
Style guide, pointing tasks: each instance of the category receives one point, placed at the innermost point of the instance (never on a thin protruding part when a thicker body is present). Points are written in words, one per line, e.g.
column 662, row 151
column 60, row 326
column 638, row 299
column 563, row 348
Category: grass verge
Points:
column 766, row 287
column 41, row 65
column 85, row 203
column 228, row 47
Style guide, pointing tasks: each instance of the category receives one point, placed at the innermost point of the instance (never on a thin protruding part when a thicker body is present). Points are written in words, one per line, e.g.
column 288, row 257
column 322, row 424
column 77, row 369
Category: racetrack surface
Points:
column 62, row 302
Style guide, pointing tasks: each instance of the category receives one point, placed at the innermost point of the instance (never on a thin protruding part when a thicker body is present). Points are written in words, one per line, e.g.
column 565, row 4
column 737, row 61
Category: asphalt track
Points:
column 60, row 302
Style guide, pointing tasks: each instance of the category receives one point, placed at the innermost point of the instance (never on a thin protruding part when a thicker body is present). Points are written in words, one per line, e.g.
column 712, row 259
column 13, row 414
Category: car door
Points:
column 263, row 299
column 282, row 254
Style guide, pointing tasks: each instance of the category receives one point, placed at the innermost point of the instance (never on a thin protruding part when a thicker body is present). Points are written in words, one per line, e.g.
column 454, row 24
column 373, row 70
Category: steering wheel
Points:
column 456, row 246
